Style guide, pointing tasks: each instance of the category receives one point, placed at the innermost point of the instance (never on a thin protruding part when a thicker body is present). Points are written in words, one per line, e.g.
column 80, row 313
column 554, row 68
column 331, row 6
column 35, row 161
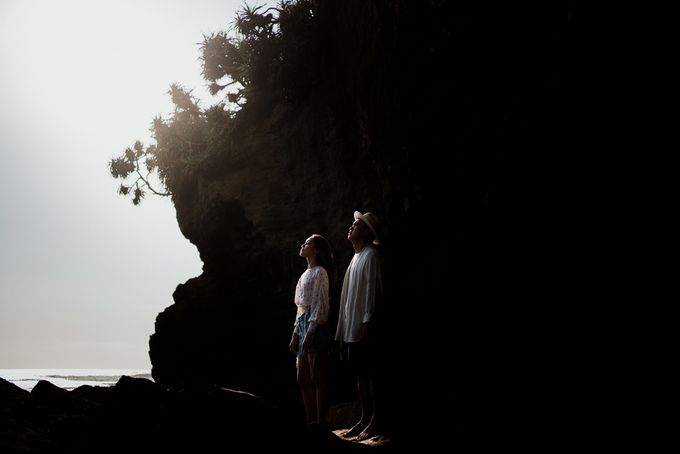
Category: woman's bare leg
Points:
column 304, row 378
column 318, row 372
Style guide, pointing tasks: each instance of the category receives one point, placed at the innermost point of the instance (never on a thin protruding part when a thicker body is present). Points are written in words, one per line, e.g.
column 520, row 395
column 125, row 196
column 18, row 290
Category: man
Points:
column 361, row 292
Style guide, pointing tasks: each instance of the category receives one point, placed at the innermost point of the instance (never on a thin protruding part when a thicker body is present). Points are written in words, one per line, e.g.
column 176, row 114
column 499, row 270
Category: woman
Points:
column 311, row 335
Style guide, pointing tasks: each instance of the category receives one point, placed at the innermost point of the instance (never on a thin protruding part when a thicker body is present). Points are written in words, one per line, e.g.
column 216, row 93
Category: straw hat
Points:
column 371, row 220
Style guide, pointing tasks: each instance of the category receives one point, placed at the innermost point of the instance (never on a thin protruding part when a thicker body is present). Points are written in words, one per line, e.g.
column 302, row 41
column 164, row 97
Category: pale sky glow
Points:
column 83, row 272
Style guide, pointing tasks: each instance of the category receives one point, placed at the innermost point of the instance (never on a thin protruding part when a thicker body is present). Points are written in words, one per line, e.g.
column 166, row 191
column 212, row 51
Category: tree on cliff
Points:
column 264, row 63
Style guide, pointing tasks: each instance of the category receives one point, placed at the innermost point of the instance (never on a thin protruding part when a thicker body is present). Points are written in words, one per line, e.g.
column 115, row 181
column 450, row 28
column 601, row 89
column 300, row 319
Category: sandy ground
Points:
column 376, row 440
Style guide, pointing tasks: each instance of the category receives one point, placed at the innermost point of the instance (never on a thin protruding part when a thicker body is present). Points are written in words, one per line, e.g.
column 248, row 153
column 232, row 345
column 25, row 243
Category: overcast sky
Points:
column 83, row 272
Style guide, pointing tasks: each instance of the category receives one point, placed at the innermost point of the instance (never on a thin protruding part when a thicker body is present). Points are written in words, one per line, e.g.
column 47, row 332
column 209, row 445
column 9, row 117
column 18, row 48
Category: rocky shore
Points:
column 140, row 415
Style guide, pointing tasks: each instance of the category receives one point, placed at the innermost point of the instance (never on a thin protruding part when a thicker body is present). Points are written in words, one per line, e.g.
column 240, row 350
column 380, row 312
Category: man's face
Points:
column 357, row 230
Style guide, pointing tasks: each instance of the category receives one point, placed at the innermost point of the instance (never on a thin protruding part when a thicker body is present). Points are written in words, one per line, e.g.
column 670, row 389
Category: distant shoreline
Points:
column 70, row 378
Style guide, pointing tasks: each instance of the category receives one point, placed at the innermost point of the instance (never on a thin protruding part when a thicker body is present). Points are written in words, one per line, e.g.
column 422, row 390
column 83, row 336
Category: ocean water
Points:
column 70, row 378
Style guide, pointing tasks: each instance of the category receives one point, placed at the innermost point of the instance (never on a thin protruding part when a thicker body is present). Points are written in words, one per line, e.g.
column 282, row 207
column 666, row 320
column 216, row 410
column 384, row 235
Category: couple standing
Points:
column 361, row 289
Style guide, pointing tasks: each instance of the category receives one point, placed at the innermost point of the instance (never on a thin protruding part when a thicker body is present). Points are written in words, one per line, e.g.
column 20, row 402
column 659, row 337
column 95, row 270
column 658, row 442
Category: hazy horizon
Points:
column 84, row 272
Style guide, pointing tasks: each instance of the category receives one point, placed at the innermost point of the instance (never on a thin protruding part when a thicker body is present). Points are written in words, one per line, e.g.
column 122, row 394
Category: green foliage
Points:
column 245, row 60
column 271, row 56
column 182, row 143
column 268, row 60
column 129, row 164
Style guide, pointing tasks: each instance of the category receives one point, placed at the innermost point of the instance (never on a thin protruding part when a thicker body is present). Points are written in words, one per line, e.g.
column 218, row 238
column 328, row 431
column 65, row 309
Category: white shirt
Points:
column 311, row 294
column 360, row 289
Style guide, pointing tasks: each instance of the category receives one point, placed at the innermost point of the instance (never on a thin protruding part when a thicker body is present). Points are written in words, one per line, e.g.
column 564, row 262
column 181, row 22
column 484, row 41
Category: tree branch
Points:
column 146, row 182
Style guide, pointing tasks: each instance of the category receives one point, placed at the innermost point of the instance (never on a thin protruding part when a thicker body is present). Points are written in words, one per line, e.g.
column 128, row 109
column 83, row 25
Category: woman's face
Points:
column 307, row 248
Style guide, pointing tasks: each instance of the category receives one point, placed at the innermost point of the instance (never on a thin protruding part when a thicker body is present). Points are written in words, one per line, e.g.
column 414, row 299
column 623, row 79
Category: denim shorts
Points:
column 322, row 337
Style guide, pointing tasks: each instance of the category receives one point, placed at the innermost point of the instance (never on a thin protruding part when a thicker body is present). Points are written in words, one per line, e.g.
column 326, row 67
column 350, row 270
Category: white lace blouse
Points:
column 311, row 294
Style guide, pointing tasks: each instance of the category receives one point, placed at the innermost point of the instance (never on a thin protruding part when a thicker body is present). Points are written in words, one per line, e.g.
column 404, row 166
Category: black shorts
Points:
column 361, row 354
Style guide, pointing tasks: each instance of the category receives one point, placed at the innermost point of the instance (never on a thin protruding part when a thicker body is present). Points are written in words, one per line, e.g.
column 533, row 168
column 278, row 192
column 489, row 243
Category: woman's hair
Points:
column 325, row 255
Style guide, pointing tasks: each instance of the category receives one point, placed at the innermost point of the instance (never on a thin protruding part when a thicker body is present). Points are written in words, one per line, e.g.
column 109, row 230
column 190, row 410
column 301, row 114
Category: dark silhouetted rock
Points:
column 138, row 413
column 9, row 392
column 46, row 392
column 15, row 414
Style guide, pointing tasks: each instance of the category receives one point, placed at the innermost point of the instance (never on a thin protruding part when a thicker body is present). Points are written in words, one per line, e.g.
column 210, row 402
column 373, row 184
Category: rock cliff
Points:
column 449, row 123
